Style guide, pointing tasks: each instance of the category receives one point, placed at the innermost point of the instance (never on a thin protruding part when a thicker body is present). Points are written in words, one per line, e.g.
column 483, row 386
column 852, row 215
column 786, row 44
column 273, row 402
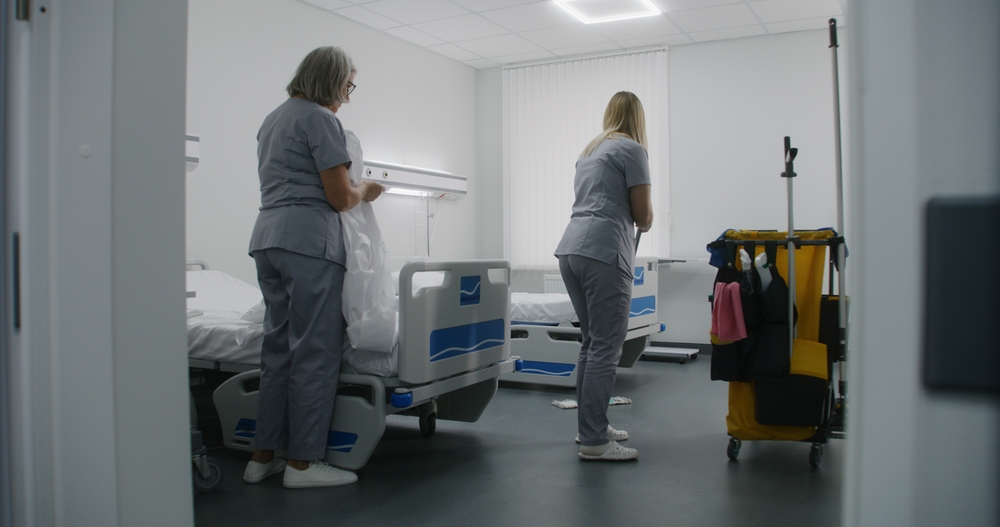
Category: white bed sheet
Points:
column 541, row 308
column 217, row 333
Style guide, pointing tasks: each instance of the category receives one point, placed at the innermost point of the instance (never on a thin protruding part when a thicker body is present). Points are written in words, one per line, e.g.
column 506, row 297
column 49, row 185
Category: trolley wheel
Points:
column 683, row 361
column 428, row 423
column 733, row 451
column 815, row 455
column 207, row 482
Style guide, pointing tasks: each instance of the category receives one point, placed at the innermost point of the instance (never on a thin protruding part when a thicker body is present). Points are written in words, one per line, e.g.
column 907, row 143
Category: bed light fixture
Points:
column 597, row 11
column 407, row 192
column 414, row 181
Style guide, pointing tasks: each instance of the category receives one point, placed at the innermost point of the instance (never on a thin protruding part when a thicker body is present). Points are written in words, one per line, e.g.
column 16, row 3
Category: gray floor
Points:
column 517, row 466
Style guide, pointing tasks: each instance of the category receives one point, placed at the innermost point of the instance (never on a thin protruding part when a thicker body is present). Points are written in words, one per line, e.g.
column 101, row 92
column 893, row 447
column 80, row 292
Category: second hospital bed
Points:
column 544, row 338
column 453, row 346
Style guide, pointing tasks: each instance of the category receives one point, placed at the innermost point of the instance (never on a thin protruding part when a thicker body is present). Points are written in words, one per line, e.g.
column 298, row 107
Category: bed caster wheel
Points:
column 733, row 451
column 815, row 455
column 208, row 481
column 428, row 423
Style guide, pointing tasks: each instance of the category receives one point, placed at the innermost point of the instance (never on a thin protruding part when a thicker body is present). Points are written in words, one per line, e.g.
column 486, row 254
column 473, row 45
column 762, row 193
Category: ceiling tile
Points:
column 722, row 34
column 329, row 5
column 412, row 35
column 410, row 12
column 461, row 28
column 771, row 11
column 482, row 64
column 508, row 44
column 366, row 17
column 803, row 25
column 479, row 6
column 649, row 42
column 538, row 15
column 565, row 36
column 454, row 52
column 586, row 50
column 679, row 5
column 719, row 17
column 637, row 28
column 524, row 57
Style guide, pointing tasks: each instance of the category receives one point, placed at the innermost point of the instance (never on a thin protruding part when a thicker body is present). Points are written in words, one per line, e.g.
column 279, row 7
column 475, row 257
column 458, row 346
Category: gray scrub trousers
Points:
column 299, row 252
column 596, row 254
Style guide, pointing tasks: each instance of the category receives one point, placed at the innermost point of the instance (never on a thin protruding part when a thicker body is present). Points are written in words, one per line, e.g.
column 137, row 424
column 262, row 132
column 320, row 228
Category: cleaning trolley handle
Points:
column 792, row 241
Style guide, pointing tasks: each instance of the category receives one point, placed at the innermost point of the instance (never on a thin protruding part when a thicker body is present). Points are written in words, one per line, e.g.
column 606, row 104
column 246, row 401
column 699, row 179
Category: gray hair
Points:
column 322, row 76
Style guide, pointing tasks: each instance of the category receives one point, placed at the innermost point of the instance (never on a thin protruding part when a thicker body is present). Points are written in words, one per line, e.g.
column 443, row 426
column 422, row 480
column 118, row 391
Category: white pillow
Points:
column 255, row 314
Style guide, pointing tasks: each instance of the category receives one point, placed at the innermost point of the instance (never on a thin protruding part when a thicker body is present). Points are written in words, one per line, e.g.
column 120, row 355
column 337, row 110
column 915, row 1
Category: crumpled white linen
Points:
column 369, row 298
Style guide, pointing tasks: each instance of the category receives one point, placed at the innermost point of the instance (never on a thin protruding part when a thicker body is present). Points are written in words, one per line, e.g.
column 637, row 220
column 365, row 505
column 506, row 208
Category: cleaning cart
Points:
column 777, row 339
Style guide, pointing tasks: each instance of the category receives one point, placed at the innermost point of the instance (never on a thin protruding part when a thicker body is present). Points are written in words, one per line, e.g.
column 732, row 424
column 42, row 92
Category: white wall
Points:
column 489, row 163
column 412, row 107
column 731, row 104
column 926, row 123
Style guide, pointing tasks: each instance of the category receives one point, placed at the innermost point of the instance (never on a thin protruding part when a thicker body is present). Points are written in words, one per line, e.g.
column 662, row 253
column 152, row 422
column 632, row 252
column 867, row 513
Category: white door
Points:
column 925, row 123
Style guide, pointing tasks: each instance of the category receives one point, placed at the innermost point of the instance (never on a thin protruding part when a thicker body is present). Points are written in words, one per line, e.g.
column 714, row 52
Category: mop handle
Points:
column 841, row 260
column 789, row 175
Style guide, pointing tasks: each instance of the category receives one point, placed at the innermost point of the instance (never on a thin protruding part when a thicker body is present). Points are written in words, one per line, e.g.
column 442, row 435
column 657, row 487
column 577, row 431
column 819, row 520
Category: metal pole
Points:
column 788, row 174
column 841, row 256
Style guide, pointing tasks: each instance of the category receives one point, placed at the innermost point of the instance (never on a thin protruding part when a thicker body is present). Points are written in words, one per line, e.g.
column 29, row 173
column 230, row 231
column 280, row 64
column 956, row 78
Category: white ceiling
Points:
column 491, row 33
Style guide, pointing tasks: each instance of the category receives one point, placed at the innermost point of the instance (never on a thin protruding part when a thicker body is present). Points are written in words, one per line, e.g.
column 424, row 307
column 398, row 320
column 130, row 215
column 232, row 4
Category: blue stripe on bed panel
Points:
column 644, row 305
column 340, row 441
column 459, row 340
column 549, row 369
column 246, row 428
column 640, row 276
column 469, row 293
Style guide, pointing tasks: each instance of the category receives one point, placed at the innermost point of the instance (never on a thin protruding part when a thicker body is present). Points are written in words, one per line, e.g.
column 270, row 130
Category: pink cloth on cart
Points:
column 727, row 313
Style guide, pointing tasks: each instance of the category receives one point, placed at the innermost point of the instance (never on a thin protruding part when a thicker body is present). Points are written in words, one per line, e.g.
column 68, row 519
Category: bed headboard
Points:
column 645, row 286
column 461, row 325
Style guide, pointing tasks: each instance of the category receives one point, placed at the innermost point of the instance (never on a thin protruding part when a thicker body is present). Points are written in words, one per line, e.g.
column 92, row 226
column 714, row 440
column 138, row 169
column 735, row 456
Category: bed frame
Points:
column 453, row 347
column 550, row 353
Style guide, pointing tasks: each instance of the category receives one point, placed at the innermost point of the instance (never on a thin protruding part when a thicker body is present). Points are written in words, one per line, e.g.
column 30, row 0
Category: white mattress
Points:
column 541, row 308
column 217, row 333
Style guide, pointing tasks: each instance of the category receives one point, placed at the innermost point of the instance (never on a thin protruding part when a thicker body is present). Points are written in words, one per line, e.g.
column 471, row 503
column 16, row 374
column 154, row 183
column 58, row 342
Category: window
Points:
column 551, row 112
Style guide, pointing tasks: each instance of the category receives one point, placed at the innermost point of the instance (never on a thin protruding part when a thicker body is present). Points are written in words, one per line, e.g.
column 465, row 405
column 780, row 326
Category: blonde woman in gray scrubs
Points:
column 297, row 246
column 596, row 254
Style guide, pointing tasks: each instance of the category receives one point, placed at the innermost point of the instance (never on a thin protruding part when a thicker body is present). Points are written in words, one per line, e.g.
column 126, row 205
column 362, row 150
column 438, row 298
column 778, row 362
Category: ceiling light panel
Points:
column 597, row 11
column 538, row 15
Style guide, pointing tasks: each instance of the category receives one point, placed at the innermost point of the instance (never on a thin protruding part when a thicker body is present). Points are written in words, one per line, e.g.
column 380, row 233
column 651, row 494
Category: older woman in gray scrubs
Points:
column 299, row 252
column 596, row 254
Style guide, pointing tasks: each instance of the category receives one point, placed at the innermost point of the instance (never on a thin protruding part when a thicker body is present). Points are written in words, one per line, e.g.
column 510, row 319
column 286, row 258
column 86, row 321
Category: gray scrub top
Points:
column 297, row 141
column 601, row 225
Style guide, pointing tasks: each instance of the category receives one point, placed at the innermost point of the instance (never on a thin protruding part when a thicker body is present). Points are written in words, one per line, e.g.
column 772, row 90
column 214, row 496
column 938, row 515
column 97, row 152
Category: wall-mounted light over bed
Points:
column 413, row 181
column 596, row 11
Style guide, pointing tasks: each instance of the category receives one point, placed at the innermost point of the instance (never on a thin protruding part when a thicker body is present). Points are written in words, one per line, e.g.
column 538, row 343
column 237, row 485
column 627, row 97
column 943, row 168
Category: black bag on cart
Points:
column 764, row 353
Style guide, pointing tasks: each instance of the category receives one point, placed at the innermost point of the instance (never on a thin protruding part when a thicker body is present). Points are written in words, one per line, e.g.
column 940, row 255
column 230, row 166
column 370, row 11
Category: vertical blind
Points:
column 551, row 111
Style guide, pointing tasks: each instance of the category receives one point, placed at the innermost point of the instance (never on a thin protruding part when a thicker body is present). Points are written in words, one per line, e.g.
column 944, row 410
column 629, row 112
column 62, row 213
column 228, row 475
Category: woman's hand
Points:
column 372, row 190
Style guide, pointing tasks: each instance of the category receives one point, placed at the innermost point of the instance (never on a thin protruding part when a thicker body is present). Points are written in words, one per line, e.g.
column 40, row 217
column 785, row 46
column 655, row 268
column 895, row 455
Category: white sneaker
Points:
column 614, row 435
column 319, row 474
column 609, row 452
column 257, row 472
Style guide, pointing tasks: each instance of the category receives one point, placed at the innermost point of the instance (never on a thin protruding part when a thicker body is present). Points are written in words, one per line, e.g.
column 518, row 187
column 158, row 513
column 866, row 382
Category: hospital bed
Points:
column 543, row 336
column 453, row 347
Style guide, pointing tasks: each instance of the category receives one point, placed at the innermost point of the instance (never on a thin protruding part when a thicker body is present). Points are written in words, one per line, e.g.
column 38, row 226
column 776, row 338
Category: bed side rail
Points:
column 459, row 326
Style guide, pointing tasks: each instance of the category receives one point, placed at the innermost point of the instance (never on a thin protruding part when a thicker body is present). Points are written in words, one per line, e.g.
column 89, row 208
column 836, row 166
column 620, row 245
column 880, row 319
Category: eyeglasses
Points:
column 350, row 87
